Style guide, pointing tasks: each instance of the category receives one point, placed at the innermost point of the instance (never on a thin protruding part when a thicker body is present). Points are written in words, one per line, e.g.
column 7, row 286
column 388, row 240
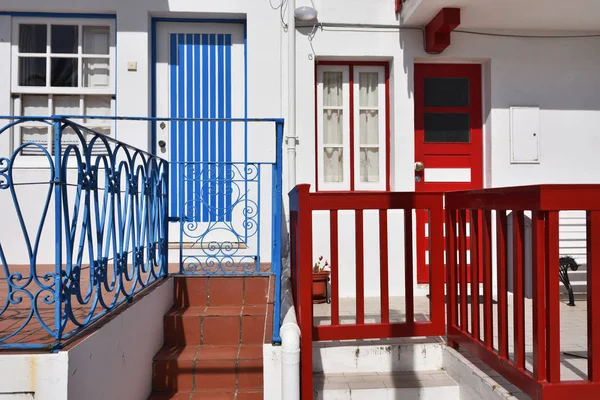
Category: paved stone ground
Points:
column 573, row 334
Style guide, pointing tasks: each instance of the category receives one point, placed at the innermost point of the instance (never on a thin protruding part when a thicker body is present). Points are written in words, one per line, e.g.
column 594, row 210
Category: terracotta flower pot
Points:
column 319, row 286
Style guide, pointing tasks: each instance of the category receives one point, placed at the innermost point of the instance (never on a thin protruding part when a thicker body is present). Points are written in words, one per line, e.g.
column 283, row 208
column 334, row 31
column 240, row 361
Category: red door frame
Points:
column 446, row 152
column 351, row 65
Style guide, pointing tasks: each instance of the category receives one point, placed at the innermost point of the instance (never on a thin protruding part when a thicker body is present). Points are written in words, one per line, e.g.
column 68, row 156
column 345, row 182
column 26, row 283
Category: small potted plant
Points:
column 320, row 279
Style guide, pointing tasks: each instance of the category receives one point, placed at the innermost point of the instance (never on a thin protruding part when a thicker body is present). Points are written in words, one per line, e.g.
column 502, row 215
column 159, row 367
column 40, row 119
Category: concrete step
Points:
column 408, row 385
column 377, row 356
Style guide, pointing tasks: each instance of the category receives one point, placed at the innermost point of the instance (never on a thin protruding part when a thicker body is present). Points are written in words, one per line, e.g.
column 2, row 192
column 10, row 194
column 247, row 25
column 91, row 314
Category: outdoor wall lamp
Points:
column 305, row 13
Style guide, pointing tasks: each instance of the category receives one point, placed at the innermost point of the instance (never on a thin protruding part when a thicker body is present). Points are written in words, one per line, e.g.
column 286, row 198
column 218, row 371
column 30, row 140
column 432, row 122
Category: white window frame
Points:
column 345, row 184
column 17, row 21
column 17, row 91
column 381, row 108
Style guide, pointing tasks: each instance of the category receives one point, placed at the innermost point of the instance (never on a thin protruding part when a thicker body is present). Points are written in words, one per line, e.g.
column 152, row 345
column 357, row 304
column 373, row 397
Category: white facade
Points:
column 556, row 78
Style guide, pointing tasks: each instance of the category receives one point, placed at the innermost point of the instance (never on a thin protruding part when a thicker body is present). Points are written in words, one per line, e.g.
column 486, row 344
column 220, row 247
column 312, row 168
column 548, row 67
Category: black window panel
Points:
column 63, row 72
column 446, row 92
column 447, row 128
column 64, row 39
column 32, row 71
column 32, row 38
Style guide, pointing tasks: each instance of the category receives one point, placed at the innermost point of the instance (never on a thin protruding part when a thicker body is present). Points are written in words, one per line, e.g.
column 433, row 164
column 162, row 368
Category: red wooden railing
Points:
column 302, row 205
column 544, row 202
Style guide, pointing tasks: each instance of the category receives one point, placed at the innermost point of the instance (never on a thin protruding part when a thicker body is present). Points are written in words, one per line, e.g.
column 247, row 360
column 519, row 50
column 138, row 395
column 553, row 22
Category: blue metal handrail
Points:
column 110, row 226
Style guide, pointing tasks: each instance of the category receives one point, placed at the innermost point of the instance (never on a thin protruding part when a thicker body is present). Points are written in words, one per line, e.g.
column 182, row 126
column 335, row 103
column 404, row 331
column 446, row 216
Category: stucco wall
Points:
column 558, row 75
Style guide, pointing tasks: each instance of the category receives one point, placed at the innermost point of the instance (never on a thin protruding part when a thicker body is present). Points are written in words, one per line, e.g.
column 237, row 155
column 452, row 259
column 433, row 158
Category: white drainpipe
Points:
column 290, row 341
column 291, row 120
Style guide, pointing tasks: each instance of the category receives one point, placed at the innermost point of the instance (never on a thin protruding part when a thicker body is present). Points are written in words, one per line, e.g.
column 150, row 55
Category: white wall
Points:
column 114, row 362
column 558, row 75
column 133, row 93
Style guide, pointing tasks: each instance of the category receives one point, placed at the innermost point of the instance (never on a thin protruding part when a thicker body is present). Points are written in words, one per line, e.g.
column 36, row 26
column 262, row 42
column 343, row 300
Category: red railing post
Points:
column 488, row 308
column 383, row 266
column 518, row 231
column 334, row 266
column 360, row 267
column 409, row 299
column 300, row 203
column 501, row 236
column 593, row 295
column 462, row 269
column 436, row 264
column 475, row 254
column 538, row 287
column 451, row 282
column 552, row 299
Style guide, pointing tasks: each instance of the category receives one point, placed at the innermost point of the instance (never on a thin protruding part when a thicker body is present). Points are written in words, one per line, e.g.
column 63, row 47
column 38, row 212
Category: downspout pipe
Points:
column 290, row 342
column 291, row 139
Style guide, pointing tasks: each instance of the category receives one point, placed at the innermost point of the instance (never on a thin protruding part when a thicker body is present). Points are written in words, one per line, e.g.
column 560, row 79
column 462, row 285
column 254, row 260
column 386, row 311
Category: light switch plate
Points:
column 132, row 66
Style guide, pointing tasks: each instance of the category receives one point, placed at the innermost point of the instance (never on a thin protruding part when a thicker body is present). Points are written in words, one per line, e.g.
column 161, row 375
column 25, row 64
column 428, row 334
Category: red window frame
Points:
column 351, row 65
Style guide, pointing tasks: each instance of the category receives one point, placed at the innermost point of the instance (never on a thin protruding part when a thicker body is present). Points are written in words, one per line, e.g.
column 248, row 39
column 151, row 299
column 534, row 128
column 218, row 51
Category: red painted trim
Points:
column 388, row 129
column 351, row 65
column 351, row 81
column 399, row 6
column 437, row 32
column 317, row 152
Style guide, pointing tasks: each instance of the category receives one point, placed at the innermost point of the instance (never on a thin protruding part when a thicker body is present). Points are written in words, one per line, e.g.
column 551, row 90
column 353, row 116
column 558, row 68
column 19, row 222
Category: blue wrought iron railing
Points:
column 105, row 206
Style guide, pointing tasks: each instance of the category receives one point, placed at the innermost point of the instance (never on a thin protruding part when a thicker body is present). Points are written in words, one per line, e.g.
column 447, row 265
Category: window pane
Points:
column 447, row 128
column 32, row 71
column 368, row 83
column 333, row 164
column 332, row 89
column 95, row 72
column 97, row 105
column 64, row 39
column 446, row 92
column 95, row 39
column 333, row 127
column 32, row 38
column 66, row 105
column 369, row 164
column 34, row 105
column 369, row 127
column 64, row 72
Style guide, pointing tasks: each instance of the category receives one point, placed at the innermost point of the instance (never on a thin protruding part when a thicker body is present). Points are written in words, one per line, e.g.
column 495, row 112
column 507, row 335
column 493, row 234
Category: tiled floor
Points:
column 573, row 334
column 382, row 380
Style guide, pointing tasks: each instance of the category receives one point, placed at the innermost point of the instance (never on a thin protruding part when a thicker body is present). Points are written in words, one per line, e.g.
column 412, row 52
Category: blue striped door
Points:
column 200, row 87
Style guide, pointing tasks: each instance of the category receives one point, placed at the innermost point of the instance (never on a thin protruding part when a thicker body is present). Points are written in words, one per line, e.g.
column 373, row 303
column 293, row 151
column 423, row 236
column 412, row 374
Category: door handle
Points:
column 419, row 166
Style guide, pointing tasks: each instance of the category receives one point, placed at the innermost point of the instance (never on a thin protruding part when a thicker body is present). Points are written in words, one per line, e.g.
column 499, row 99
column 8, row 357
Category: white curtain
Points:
column 368, row 101
column 333, row 127
column 96, row 70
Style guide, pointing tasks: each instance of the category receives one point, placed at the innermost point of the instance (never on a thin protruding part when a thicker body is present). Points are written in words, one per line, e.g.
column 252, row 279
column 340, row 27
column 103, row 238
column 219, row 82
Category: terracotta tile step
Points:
column 241, row 395
column 211, row 368
column 199, row 291
column 216, row 326
column 215, row 311
column 207, row 352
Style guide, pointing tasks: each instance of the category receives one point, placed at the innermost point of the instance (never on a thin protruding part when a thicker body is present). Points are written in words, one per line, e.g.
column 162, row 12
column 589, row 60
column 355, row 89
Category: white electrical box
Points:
column 525, row 135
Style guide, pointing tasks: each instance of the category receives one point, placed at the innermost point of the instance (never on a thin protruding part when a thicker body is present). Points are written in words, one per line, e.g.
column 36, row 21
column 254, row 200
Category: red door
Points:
column 448, row 138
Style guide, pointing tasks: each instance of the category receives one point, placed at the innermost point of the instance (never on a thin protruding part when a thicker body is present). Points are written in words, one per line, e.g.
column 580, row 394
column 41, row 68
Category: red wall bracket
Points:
column 399, row 6
column 437, row 32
